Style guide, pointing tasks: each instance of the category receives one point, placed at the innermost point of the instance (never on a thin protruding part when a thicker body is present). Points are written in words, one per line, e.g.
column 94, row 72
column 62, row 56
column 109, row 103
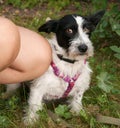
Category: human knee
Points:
column 9, row 42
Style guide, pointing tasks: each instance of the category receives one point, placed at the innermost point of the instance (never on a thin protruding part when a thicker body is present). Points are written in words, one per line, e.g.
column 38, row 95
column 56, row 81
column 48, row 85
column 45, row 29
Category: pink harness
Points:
column 70, row 80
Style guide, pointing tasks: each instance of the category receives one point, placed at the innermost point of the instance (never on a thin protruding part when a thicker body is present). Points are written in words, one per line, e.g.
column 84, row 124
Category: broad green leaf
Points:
column 63, row 111
column 4, row 122
column 118, row 32
column 115, row 26
column 104, row 24
column 104, row 83
column 117, row 56
column 115, row 49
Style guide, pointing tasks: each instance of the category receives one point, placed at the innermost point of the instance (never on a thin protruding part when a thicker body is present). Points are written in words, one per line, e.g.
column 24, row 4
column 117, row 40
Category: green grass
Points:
column 106, row 69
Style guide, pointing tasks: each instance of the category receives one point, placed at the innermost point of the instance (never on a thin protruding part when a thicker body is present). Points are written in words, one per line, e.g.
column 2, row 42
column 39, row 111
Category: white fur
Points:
column 49, row 86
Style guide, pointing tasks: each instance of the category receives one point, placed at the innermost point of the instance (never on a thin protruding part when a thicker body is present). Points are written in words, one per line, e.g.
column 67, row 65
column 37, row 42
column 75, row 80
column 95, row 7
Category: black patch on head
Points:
column 66, row 31
column 65, row 28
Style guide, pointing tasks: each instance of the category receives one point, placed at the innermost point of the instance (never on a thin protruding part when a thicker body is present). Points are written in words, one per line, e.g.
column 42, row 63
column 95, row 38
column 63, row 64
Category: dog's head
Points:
column 72, row 33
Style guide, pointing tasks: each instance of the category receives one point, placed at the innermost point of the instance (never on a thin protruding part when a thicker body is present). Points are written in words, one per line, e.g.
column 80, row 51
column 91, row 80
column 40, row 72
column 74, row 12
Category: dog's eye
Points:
column 69, row 31
column 86, row 30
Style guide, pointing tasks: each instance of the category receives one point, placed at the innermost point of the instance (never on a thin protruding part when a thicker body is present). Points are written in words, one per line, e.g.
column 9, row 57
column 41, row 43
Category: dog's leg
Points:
column 11, row 88
column 35, row 104
column 76, row 102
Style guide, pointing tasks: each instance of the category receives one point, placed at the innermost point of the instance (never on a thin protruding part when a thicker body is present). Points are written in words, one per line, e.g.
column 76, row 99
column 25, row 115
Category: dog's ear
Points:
column 49, row 26
column 95, row 18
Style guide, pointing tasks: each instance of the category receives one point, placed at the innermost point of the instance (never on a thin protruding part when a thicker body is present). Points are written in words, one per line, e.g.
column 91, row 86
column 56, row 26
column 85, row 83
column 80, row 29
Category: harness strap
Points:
column 68, row 79
column 71, row 84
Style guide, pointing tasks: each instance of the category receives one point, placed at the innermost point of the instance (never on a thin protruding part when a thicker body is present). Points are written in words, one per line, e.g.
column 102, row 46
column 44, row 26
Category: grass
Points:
column 106, row 70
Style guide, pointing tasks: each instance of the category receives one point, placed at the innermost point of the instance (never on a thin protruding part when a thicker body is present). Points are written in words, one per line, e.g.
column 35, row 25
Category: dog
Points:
column 69, row 73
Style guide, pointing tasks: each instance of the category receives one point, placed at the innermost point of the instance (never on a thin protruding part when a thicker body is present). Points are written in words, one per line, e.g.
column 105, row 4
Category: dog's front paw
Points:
column 30, row 118
column 75, row 111
column 75, row 108
column 28, row 121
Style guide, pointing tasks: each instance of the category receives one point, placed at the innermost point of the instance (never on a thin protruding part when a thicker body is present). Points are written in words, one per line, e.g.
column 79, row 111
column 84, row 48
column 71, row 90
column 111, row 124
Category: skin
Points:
column 24, row 56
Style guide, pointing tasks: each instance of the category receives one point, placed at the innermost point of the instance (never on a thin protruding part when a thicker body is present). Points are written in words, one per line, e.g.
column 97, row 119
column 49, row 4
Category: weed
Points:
column 23, row 4
column 99, row 4
column 4, row 122
column 63, row 111
column 104, row 82
column 15, row 3
column 58, row 5
column 109, row 27
column 116, row 50
column 12, row 103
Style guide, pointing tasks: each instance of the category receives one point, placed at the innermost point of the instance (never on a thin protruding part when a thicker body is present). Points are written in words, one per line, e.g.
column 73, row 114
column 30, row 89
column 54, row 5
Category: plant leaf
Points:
column 104, row 83
column 84, row 115
column 115, row 48
column 4, row 122
column 117, row 56
column 118, row 32
column 63, row 111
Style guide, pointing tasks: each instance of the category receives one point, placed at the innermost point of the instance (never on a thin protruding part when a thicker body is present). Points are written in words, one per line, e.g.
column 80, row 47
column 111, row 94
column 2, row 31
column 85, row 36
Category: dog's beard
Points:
column 78, row 56
column 74, row 53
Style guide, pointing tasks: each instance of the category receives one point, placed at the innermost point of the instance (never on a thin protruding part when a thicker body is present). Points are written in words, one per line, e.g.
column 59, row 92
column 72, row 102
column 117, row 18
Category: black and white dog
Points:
column 69, row 72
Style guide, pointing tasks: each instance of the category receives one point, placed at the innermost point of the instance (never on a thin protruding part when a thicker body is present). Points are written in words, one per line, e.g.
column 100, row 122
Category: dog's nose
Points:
column 82, row 48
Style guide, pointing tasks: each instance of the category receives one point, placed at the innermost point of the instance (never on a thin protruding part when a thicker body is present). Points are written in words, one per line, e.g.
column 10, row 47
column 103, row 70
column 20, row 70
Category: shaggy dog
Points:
column 69, row 72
